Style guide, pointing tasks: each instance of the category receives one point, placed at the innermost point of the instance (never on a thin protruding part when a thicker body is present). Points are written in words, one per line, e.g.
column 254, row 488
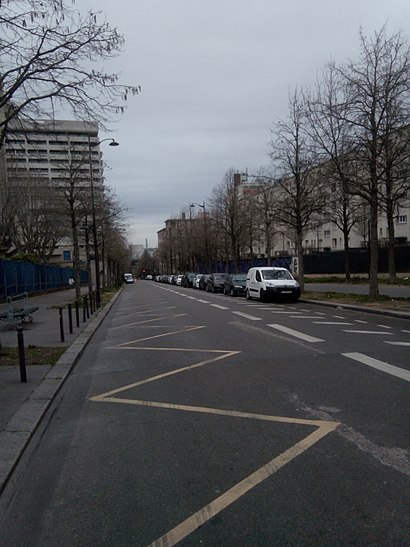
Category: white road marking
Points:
column 359, row 321
column 279, row 312
column 384, row 327
column 203, row 301
column 219, row 307
column 331, row 323
column 379, row 365
column 296, row 333
column 398, row 343
column 406, row 331
column 338, row 316
column 251, row 317
column 303, row 316
column 368, row 332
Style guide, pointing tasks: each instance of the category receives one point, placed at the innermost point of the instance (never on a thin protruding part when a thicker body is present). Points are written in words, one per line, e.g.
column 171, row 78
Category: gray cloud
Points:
column 215, row 75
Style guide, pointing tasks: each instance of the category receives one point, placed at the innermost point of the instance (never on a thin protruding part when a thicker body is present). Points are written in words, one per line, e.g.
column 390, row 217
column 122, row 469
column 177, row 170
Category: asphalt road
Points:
column 202, row 419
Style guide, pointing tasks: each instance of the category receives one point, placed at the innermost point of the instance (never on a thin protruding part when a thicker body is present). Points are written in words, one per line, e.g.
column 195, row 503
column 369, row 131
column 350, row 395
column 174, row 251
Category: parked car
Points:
column 203, row 281
column 215, row 282
column 235, row 285
column 179, row 279
column 275, row 283
column 128, row 278
column 188, row 279
column 195, row 283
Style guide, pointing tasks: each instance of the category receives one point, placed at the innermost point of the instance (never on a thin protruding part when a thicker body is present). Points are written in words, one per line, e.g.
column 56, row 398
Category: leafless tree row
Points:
column 341, row 155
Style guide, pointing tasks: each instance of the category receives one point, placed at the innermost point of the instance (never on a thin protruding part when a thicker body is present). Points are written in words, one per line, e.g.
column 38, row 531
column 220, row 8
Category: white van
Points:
column 269, row 282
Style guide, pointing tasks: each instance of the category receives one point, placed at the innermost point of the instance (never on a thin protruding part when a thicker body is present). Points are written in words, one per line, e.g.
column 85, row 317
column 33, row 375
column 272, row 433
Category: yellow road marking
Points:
column 202, row 516
column 161, row 318
column 186, row 329
column 233, row 494
column 104, row 396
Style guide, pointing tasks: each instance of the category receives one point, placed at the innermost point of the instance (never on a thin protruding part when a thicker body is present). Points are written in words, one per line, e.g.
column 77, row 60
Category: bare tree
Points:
column 377, row 100
column 298, row 186
column 229, row 214
column 72, row 191
column 7, row 208
column 34, row 221
column 329, row 129
column 51, row 55
column 113, row 235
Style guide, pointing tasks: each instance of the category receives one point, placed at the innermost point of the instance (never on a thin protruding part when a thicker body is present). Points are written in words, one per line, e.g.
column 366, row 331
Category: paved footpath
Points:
column 24, row 405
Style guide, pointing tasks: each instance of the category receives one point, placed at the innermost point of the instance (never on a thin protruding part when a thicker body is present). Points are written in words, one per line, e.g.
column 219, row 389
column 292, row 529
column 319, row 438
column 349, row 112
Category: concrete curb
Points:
column 24, row 425
column 354, row 307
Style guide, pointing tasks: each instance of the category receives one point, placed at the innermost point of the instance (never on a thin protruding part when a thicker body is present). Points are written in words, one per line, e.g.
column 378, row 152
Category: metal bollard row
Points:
column 89, row 308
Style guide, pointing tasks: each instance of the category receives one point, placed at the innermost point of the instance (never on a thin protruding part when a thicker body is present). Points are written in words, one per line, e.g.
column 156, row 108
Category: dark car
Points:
column 188, row 279
column 202, row 282
column 216, row 282
column 235, row 285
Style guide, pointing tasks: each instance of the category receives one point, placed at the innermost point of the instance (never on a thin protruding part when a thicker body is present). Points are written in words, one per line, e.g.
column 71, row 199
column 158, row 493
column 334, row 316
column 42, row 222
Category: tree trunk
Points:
column 392, row 256
column 374, row 251
column 346, row 257
column 299, row 250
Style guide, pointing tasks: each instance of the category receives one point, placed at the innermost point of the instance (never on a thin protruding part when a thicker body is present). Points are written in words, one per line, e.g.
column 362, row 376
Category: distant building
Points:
column 38, row 153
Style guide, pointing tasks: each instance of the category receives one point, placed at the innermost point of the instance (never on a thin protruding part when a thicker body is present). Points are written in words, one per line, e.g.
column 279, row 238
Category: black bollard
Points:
column 70, row 319
column 87, row 308
column 84, row 310
column 91, row 303
column 77, row 314
column 22, row 356
column 60, row 311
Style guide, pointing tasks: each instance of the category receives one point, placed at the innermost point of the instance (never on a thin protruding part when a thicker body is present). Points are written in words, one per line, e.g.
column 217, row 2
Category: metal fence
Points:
column 18, row 277
column 333, row 262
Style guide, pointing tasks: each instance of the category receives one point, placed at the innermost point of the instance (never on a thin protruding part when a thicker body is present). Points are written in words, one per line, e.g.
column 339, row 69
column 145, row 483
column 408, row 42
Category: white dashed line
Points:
column 331, row 323
column 379, row 365
column 251, row 317
column 398, row 343
column 219, row 307
column 296, row 333
column 203, row 301
column 368, row 332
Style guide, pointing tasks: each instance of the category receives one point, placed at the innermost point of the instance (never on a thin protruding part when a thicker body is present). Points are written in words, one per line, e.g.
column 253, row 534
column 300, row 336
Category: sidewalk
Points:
column 23, row 405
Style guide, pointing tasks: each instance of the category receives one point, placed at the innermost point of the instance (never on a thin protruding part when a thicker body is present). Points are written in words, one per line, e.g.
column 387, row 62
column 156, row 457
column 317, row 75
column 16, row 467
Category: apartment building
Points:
column 39, row 154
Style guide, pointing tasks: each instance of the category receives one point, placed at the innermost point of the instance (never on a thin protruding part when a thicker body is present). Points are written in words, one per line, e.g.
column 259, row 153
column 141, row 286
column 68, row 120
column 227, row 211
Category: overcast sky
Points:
column 215, row 76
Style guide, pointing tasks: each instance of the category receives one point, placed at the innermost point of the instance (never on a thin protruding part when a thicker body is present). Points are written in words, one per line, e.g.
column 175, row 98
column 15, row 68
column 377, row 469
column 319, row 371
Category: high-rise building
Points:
column 40, row 158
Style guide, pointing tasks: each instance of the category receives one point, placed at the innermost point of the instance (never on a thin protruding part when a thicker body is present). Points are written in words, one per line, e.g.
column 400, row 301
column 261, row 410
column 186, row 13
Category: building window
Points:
column 326, row 233
column 67, row 256
column 402, row 219
column 334, row 242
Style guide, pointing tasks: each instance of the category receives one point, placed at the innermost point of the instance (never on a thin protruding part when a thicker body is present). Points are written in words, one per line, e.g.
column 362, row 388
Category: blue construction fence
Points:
column 230, row 266
column 18, row 277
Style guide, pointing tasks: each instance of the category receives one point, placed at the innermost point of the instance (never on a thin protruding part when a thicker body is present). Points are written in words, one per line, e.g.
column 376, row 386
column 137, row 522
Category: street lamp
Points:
column 96, row 253
column 206, row 231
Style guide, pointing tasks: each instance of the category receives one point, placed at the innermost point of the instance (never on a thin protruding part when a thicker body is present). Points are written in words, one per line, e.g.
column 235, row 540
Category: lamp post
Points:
column 193, row 204
column 94, row 227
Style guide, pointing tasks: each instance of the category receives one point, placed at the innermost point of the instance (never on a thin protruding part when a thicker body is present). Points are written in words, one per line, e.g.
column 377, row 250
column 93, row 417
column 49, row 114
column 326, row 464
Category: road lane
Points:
column 182, row 411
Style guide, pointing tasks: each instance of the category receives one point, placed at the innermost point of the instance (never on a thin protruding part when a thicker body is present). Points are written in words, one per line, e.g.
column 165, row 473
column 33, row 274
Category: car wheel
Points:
column 213, row 289
column 248, row 296
column 232, row 292
column 262, row 295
